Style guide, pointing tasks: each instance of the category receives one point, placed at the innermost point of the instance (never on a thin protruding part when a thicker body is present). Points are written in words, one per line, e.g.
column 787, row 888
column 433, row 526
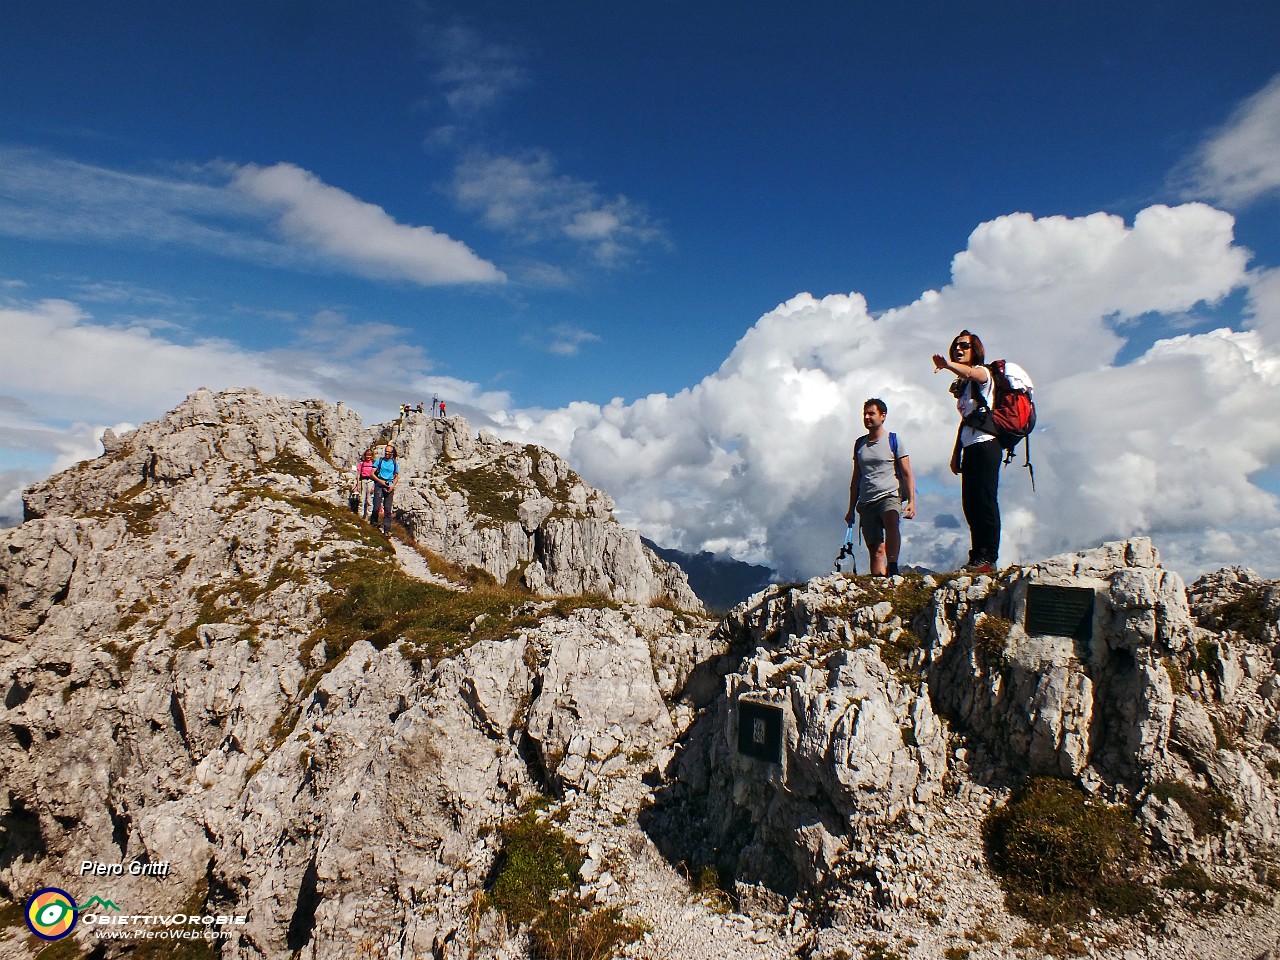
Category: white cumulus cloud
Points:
column 1180, row 444
column 755, row 457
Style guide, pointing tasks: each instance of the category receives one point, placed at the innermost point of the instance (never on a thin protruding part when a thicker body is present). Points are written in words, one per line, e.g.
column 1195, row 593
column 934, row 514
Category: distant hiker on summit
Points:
column 883, row 489
column 976, row 454
column 385, row 474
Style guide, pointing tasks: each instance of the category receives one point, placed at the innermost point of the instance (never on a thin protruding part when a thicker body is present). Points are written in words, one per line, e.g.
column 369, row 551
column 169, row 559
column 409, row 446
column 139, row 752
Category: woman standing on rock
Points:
column 976, row 455
column 365, row 471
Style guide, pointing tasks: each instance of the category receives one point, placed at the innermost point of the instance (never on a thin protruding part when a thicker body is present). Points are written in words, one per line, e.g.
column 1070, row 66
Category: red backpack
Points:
column 1012, row 416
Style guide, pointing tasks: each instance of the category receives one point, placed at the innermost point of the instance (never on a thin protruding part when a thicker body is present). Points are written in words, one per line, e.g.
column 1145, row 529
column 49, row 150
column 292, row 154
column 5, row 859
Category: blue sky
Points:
column 536, row 209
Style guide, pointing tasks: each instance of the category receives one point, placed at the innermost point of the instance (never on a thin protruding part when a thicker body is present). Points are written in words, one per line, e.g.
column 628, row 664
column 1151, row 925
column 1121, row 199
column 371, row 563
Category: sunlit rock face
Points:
column 211, row 681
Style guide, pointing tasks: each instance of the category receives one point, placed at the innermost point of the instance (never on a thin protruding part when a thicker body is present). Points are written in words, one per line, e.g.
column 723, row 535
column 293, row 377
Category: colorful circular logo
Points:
column 51, row 913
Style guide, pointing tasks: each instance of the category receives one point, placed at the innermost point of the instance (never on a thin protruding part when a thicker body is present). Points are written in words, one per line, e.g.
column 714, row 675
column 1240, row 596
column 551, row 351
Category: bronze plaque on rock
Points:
column 760, row 731
column 1060, row 611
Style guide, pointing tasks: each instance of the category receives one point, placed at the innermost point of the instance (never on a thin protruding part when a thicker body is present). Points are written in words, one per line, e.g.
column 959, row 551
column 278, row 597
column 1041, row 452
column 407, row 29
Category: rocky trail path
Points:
column 414, row 564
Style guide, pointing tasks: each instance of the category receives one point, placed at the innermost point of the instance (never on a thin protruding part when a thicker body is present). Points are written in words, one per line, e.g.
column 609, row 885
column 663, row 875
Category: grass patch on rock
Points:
column 990, row 637
column 1247, row 615
column 472, row 576
column 490, row 493
column 910, row 598
column 139, row 609
column 534, row 884
column 122, row 654
column 374, row 600
column 1205, row 659
column 1212, row 894
column 1059, row 853
column 909, row 594
column 559, row 494
column 137, row 506
column 292, row 465
column 194, row 949
column 217, row 603
column 1209, row 810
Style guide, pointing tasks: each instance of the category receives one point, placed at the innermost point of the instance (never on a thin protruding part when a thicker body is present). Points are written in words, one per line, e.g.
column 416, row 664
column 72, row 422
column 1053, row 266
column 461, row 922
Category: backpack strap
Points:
column 982, row 419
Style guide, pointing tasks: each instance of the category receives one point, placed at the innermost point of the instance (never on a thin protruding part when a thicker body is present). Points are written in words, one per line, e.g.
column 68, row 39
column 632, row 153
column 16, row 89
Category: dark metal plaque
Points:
column 1060, row 611
column 760, row 731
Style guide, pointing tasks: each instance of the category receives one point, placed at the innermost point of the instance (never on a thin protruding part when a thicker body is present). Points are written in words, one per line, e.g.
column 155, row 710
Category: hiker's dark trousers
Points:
column 979, row 483
column 382, row 501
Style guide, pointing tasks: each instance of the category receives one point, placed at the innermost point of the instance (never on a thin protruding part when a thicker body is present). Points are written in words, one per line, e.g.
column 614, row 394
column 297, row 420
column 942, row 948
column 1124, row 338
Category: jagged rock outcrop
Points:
column 1098, row 707
column 1143, row 704
column 476, row 500
column 857, row 744
column 521, row 510
column 179, row 693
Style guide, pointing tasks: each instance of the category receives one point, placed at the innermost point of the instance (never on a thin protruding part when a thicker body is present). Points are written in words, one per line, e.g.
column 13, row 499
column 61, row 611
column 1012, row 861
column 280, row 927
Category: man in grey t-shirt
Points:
column 881, row 478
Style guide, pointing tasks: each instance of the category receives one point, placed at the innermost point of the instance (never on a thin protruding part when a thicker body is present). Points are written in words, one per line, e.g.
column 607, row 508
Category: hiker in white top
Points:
column 883, row 489
column 976, row 455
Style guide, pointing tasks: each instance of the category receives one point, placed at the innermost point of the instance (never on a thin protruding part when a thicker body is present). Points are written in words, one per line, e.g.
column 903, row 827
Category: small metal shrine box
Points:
column 1060, row 611
column 760, row 731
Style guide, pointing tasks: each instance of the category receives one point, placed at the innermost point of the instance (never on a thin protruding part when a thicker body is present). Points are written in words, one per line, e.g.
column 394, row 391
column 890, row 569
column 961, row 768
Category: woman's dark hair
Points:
column 979, row 355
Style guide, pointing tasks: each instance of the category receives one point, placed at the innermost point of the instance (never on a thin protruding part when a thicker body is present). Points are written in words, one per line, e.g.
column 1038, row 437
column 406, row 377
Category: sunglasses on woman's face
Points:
column 963, row 345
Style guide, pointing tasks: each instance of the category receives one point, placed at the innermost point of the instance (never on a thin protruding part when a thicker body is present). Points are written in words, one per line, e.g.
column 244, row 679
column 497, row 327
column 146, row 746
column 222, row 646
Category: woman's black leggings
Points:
column 979, row 483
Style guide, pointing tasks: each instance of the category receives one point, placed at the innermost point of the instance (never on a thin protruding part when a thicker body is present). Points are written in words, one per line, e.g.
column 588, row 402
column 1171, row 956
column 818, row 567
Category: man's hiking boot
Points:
column 979, row 565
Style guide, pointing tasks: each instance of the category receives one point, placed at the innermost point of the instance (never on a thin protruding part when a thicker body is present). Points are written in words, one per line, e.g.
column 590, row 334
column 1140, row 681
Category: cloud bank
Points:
column 754, row 459
column 67, row 376
column 1181, row 443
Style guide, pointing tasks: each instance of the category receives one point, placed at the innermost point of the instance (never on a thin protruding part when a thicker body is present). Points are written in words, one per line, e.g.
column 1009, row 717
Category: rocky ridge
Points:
column 209, row 666
column 521, row 510
column 900, row 701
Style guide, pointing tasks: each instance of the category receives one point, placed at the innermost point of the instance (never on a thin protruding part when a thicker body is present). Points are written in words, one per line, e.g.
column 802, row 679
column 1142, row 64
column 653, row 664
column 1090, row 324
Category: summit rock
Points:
column 350, row 746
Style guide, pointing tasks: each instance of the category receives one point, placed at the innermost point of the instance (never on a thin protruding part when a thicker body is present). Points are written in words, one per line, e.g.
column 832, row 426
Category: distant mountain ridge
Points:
column 721, row 583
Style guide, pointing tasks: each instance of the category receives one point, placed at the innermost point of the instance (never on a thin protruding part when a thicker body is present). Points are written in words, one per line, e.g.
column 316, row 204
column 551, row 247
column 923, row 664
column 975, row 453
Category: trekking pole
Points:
column 848, row 550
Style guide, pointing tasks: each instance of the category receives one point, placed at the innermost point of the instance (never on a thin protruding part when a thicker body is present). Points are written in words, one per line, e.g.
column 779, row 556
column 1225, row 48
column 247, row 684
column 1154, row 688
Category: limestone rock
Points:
column 35, row 574
column 180, row 688
column 859, row 742
column 522, row 512
column 599, row 702
column 1058, row 704
column 860, row 694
